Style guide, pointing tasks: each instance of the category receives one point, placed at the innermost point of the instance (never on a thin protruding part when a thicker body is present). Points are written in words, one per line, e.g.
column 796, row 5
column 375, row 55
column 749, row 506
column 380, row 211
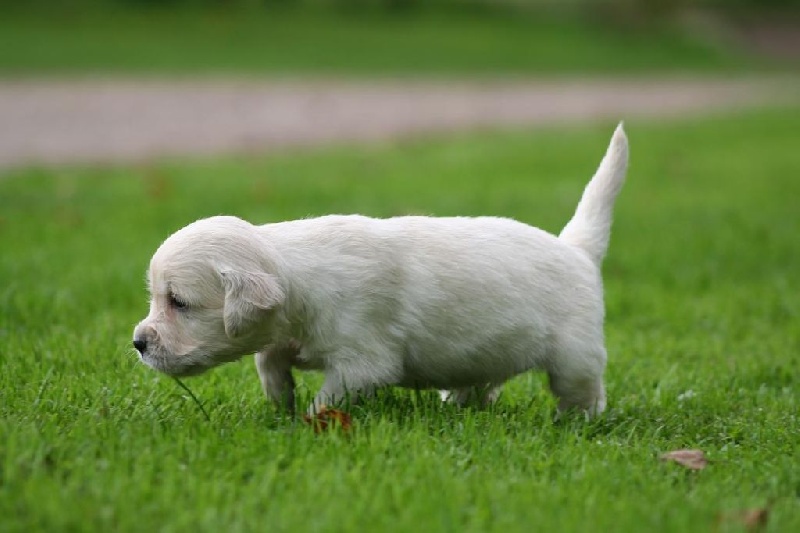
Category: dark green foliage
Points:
column 300, row 42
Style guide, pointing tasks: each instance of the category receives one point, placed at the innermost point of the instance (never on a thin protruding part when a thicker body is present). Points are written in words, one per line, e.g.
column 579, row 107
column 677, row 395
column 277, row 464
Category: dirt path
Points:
column 83, row 121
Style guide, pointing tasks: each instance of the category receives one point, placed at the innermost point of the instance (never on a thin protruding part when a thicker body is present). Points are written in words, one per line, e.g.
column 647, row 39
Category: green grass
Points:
column 320, row 42
column 703, row 334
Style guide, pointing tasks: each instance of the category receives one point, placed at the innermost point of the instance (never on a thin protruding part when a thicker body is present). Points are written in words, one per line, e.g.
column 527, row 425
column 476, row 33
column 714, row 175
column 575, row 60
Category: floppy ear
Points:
column 246, row 295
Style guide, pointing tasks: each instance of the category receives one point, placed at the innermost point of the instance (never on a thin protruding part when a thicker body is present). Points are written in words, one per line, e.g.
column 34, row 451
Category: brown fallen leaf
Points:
column 326, row 419
column 691, row 459
column 157, row 184
column 751, row 519
column 755, row 518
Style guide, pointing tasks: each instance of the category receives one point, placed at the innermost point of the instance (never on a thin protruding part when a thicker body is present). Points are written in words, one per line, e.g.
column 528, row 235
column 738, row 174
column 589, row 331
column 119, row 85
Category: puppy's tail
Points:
column 590, row 227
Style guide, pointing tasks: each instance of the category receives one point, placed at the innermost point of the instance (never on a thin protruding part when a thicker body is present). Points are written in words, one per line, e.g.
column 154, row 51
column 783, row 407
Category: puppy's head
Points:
column 214, row 288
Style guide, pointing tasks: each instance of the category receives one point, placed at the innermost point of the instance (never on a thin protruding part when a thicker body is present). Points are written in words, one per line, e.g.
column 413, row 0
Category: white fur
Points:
column 461, row 304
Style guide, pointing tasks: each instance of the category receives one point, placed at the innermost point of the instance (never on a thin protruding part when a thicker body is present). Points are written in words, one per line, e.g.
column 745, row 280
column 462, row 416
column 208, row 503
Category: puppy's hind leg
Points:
column 580, row 386
column 274, row 366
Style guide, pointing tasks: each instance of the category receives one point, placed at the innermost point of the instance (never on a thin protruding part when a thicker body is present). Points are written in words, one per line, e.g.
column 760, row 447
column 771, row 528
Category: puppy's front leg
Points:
column 349, row 383
column 274, row 367
column 334, row 391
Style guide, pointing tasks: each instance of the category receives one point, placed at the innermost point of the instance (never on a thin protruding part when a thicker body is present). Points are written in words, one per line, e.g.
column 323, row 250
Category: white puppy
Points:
column 460, row 304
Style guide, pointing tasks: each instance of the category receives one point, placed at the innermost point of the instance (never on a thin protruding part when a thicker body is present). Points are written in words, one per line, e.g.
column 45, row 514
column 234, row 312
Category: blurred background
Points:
column 393, row 36
column 214, row 76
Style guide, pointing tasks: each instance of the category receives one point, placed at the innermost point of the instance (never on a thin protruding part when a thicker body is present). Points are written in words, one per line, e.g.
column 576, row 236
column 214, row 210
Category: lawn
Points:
column 320, row 42
column 703, row 334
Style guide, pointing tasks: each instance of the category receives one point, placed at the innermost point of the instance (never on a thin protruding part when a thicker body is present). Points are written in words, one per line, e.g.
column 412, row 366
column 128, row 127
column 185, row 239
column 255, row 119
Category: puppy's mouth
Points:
column 185, row 371
column 174, row 369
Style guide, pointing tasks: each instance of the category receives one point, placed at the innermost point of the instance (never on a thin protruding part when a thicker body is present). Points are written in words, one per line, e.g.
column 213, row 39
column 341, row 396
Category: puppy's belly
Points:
column 456, row 370
column 440, row 379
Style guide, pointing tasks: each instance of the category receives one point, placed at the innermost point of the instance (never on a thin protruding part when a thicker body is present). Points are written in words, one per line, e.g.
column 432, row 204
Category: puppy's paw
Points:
column 481, row 396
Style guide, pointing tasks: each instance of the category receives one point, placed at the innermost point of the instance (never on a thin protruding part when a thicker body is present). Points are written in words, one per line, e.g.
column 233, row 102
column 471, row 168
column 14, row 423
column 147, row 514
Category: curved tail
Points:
column 590, row 227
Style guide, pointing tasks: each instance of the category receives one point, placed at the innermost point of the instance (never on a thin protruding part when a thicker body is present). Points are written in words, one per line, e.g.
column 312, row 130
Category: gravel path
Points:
column 126, row 120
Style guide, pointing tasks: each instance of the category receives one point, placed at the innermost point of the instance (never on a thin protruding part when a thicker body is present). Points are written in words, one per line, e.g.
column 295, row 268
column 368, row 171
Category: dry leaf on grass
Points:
column 157, row 184
column 755, row 518
column 751, row 519
column 691, row 459
column 329, row 418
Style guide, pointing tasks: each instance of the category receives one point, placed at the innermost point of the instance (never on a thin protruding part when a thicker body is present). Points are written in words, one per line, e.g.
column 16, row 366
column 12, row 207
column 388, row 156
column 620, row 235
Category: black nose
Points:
column 140, row 345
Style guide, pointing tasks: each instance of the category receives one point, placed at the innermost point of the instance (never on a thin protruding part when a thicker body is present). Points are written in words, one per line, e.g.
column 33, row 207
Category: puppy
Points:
column 459, row 304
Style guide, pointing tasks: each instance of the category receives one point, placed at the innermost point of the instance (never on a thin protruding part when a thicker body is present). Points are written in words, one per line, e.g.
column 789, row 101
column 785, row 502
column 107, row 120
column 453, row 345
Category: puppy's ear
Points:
column 246, row 295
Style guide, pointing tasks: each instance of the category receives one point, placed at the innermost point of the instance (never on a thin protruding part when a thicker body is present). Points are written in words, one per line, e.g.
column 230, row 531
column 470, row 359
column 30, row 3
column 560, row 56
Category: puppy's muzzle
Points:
column 141, row 346
column 144, row 337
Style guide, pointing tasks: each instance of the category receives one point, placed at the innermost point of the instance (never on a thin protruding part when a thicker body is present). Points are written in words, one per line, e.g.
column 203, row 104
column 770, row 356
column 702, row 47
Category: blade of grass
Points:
column 190, row 393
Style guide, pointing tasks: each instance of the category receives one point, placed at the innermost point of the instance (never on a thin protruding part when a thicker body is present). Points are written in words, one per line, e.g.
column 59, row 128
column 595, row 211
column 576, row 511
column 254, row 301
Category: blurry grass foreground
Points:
column 348, row 38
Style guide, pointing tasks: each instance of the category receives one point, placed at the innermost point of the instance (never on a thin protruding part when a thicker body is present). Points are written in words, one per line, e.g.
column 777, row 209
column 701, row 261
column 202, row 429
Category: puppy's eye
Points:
column 176, row 302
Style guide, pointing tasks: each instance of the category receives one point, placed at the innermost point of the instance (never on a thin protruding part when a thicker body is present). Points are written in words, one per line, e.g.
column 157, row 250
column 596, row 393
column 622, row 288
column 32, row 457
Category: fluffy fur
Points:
column 460, row 304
